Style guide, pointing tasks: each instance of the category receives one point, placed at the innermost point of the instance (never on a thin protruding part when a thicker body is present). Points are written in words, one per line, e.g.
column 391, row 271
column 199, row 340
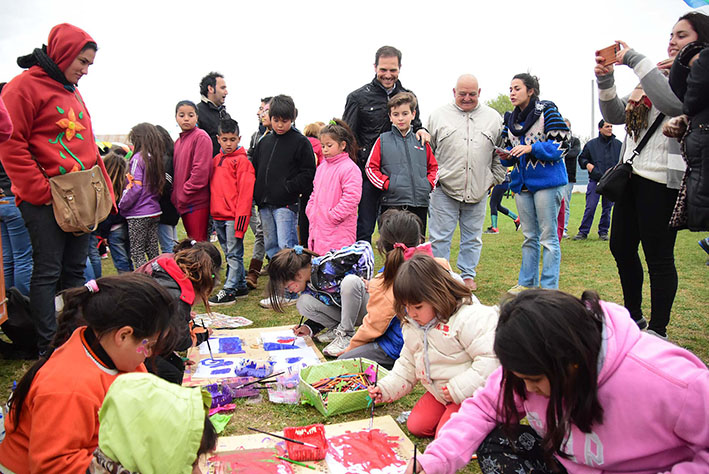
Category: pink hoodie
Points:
column 655, row 398
column 332, row 208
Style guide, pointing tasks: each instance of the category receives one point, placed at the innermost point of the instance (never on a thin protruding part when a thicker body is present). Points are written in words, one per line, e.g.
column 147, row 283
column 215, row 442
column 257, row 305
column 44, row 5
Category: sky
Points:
column 154, row 53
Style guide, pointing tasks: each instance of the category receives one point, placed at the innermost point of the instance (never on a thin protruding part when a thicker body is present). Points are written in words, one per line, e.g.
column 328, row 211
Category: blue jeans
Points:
column 234, row 251
column 93, row 260
column 445, row 213
column 167, row 236
column 538, row 214
column 59, row 260
column 16, row 247
column 592, row 198
column 279, row 228
column 120, row 252
column 568, row 191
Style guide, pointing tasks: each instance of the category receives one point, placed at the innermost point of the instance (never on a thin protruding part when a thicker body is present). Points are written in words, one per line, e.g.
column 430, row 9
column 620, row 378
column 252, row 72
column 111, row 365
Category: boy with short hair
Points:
column 399, row 165
column 285, row 168
column 232, row 190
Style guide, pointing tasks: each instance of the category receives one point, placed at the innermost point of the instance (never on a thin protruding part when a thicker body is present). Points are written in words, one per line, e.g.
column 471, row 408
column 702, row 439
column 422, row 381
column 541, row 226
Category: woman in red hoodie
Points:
column 52, row 136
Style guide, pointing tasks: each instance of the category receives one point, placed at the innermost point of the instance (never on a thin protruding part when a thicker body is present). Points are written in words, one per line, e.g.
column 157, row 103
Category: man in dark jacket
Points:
column 570, row 161
column 598, row 156
column 366, row 114
column 211, row 108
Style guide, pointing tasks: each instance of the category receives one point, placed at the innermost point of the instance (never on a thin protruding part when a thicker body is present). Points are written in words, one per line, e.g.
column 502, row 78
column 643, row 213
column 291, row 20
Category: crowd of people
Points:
column 578, row 369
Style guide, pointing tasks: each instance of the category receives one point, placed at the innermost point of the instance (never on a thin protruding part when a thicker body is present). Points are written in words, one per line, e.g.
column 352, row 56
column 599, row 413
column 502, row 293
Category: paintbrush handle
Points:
column 284, row 438
column 297, row 463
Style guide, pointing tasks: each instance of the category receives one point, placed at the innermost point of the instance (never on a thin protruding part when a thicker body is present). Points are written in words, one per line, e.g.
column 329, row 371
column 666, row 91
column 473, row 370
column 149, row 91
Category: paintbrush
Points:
column 414, row 458
column 299, row 325
column 371, row 417
column 258, row 380
column 208, row 345
column 297, row 463
column 284, row 438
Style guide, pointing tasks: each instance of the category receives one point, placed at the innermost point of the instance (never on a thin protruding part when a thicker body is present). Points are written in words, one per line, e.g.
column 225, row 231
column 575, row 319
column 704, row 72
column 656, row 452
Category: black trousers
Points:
column 368, row 210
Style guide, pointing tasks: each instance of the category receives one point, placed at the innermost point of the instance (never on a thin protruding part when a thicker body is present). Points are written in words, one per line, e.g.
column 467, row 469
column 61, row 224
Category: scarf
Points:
column 639, row 105
column 526, row 117
column 39, row 57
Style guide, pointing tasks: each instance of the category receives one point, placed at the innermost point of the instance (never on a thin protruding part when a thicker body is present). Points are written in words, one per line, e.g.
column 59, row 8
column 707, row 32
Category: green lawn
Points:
column 585, row 265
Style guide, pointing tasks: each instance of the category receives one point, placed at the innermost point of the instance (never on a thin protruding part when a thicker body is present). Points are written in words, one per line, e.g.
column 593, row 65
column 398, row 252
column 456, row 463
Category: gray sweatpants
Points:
column 354, row 306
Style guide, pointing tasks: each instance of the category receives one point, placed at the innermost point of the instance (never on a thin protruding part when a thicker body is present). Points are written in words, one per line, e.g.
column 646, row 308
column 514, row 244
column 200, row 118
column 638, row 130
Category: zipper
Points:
column 411, row 167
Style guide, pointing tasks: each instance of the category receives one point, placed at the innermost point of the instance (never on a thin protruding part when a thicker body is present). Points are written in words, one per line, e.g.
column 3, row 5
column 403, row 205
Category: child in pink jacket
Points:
column 332, row 208
column 599, row 395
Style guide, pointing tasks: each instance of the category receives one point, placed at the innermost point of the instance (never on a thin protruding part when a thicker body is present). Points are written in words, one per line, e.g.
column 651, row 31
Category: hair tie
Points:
column 424, row 248
column 298, row 249
column 192, row 242
column 332, row 122
column 92, row 286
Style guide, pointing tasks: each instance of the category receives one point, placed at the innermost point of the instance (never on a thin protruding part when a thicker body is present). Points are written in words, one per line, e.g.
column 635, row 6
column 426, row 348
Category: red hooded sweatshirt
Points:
column 50, row 122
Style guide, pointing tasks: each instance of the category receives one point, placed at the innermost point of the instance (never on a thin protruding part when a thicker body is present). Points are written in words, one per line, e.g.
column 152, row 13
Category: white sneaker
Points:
column 338, row 345
column 266, row 302
column 517, row 289
column 326, row 336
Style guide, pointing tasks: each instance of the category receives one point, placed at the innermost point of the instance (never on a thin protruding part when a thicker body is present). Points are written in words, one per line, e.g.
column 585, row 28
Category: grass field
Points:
column 585, row 265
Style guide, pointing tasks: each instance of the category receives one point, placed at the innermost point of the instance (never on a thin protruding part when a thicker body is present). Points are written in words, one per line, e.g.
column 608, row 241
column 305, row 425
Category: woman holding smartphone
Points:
column 642, row 215
column 536, row 139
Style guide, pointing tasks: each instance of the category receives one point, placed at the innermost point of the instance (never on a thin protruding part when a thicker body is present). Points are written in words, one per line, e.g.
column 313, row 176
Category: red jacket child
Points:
column 232, row 189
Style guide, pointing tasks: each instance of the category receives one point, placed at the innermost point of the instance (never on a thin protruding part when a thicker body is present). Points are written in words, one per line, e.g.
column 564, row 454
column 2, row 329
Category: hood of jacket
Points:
column 150, row 425
column 65, row 43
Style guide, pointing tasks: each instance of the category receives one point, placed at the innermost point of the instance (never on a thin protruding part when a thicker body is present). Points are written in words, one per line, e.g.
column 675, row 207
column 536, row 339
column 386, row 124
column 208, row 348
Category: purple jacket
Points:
column 332, row 208
column 655, row 399
column 138, row 200
column 193, row 167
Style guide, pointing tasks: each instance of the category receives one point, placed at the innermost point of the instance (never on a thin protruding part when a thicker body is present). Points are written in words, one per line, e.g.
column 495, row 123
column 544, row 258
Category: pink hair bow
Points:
column 409, row 252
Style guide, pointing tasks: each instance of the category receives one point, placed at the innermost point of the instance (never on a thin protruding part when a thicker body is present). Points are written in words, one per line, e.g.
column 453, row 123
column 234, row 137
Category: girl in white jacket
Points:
column 448, row 344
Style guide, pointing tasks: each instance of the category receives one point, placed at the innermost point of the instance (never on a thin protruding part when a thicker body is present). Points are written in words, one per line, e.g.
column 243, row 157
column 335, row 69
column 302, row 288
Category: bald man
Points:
column 462, row 136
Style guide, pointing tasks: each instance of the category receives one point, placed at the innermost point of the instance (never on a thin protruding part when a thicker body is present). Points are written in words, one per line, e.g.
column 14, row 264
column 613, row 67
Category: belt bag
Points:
column 81, row 200
column 614, row 181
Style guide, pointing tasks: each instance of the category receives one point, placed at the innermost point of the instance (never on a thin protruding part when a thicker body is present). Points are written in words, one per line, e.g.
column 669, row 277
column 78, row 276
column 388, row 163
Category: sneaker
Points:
column 491, row 230
column 326, row 336
column 266, row 302
column 223, row 298
column 642, row 323
column 338, row 345
column 517, row 289
column 579, row 236
column 517, row 224
column 565, row 236
column 704, row 244
column 657, row 334
column 470, row 283
column 603, row 237
column 242, row 292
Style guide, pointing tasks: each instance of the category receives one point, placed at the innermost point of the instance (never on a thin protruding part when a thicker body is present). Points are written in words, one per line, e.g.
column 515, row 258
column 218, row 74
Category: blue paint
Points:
column 230, row 345
column 220, row 371
column 274, row 346
column 213, row 363
column 293, row 360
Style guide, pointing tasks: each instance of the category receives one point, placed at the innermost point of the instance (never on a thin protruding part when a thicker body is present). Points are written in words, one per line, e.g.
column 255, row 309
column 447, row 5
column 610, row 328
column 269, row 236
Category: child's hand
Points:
column 411, row 469
column 446, row 394
column 375, row 393
column 366, row 284
column 302, row 330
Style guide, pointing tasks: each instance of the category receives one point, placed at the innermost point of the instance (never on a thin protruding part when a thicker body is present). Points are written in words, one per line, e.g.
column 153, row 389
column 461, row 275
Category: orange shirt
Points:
column 58, row 429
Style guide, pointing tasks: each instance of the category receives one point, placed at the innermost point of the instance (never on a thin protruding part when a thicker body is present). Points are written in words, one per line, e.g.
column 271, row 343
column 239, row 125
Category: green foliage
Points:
column 501, row 103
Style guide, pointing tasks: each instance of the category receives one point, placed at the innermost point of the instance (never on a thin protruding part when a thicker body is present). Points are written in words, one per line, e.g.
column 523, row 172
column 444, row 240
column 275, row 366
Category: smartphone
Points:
column 495, row 147
column 608, row 54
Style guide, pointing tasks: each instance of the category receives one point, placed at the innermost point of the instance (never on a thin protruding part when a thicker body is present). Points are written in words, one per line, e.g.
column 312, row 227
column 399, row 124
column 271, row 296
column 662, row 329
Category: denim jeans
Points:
column 592, row 198
column 279, row 228
column 59, row 259
column 538, row 214
column 233, row 248
column 16, row 247
column 255, row 224
column 445, row 213
column 167, row 236
column 120, row 252
column 93, row 260
column 568, row 191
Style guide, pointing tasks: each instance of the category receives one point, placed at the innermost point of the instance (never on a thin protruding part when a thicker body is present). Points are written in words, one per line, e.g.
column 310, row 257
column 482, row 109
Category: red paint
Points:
column 285, row 340
column 251, row 461
column 371, row 449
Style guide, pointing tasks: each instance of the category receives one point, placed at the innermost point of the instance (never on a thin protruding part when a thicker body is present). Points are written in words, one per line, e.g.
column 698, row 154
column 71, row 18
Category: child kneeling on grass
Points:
column 150, row 426
column 600, row 397
column 448, row 340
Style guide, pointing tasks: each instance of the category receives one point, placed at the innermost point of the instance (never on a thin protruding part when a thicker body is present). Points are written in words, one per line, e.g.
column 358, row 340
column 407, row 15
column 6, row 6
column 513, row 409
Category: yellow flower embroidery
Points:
column 70, row 125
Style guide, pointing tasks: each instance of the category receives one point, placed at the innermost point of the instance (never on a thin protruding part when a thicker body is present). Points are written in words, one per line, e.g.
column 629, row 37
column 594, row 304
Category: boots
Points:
column 254, row 272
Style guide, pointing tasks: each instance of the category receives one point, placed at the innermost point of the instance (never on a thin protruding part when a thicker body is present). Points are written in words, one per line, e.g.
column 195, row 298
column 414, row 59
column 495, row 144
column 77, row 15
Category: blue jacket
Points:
column 603, row 153
column 392, row 340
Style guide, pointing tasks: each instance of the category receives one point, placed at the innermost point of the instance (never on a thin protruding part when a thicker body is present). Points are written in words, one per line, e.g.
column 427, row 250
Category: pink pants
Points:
column 195, row 223
column 429, row 415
